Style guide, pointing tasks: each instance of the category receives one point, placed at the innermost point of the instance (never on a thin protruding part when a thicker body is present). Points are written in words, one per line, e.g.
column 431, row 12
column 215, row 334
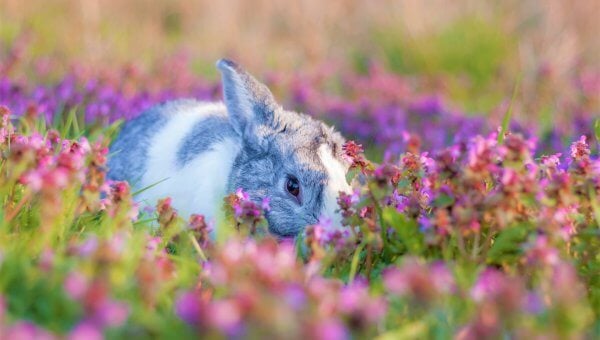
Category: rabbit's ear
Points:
column 248, row 102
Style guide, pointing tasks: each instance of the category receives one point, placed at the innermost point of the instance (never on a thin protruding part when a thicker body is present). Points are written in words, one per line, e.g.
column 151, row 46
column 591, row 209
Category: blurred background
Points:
column 472, row 51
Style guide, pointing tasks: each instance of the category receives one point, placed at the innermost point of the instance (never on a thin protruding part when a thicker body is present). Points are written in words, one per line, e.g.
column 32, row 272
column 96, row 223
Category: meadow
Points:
column 475, row 214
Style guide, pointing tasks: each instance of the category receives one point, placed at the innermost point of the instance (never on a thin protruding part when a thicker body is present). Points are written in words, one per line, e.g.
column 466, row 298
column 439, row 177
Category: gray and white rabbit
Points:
column 199, row 152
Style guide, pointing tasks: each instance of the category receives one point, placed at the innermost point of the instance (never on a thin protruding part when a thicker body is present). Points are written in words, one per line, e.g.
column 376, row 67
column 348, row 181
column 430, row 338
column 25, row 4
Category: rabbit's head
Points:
column 291, row 158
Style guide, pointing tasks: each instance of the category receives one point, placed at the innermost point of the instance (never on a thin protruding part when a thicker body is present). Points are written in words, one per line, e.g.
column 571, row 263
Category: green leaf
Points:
column 595, row 205
column 507, row 245
column 412, row 330
column 354, row 263
column 406, row 229
column 597, row 129
column 148, row 187
column 443, row 201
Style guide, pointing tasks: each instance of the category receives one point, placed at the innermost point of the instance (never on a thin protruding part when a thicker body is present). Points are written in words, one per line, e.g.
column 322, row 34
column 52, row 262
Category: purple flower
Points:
column 88, row 247
column 265, row 204
column 112, row 313
column 533, row 303
column 294, row 296
column 187, row 307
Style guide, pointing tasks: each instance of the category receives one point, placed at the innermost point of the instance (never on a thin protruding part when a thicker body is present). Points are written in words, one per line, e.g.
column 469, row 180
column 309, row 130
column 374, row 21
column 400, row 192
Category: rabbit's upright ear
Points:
column 249, row 103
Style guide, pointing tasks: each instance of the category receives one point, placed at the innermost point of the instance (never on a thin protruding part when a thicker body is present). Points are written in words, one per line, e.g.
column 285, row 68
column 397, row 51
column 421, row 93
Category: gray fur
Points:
column 129, row 150
column 275, row 144
column 205, row 133
column 281, row 143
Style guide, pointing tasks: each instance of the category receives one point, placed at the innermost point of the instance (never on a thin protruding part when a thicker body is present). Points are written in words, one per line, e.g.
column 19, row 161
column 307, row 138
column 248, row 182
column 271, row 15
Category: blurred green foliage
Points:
column 470, row 54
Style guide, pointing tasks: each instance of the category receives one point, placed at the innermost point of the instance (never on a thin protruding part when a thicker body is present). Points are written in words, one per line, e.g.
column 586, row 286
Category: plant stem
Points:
column 197, row 247
column 354, row 264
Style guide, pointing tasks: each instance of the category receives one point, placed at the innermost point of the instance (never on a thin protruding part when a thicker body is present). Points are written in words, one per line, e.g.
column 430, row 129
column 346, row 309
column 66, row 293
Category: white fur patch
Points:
column 336, row 173
column 200, row 185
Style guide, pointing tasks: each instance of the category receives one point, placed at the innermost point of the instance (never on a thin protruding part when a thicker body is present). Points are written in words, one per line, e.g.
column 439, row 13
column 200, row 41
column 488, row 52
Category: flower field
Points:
column 473, row 132
column 461, row 228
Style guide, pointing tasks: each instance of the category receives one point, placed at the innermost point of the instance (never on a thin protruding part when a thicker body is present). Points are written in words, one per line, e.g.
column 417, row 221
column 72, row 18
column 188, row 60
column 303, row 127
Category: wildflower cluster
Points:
column 456, row 233
column 259, row 288
column 377, row 108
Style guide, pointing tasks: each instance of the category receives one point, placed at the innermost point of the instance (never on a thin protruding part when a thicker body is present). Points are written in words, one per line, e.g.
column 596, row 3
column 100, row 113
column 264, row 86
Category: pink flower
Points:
column 551, row 161
column 423, row 282
column 241, row 194
column 330, row 329
column 224, row 315
column 245, row 210
column 26, row 331
column 356, row 301
column 75, row 285
column 85, row 331
column 112, row 313
column 533, row 303
column 353, row 296
column 265, row 204
column 442, row 278
column 152, row 244
column 46, row 261
column 295, row 296
column 489, row 283
column 46, row 178
column 580, row 149
column 541, row 252
column 88, row 247
column 353, row 154
column 2, row 306
column 33, row 179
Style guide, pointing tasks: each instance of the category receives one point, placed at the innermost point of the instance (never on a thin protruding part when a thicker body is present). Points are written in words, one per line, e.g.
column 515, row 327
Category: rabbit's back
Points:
column 182, row 149
column 128, row 152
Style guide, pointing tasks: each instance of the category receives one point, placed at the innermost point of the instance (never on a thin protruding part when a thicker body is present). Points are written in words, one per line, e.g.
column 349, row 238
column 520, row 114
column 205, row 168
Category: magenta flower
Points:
column 330, row 329
column 2, row 307
column 541, row 252
column 76, row 285
column 419, row 281
column 533, row 303
column 265, row 204
column 188, row 307
column 489, row 283
column 225, row 316
column 295, row 296
column 88, row 247
column 551, row 161
column 85, row 331
column 112, row 313
column 25, row 331
column 580, row 150
column 242, row 195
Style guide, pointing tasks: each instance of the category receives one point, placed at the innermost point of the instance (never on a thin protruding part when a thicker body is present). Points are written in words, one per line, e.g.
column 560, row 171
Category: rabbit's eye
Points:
column 292, row 186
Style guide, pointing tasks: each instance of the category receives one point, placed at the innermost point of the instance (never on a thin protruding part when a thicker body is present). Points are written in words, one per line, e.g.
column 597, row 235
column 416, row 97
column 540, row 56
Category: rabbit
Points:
column 198, row 152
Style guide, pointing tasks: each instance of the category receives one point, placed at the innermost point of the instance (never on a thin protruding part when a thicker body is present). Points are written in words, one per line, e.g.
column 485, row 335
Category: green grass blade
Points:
column 508, row 114
column 148, row 187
